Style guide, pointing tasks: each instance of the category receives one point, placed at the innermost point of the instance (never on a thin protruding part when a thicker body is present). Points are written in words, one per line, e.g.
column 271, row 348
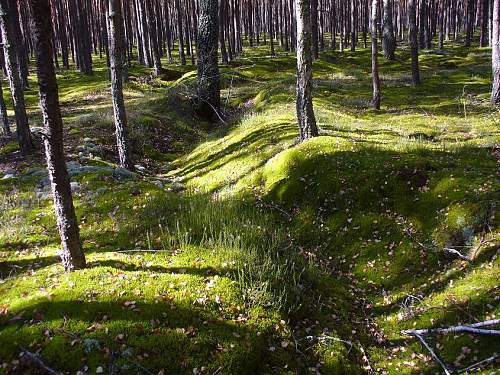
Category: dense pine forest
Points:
column 249, row 187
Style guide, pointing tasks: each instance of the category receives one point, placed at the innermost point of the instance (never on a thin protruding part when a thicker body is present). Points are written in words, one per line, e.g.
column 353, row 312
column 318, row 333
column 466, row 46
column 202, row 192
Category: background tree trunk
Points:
column 495, row 94
column 412, row 39
column 305, row 110
column 16, row 87
column 388, row 39
column 72, row 253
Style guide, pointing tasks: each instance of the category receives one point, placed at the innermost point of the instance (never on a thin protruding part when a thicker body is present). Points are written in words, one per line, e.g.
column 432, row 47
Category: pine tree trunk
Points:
column 388, row 39
column 470, row 23
column 314, row 28
column 413, row 41
column 208, row 66
column 495, row 94
column 72, row 253
column 182, row 56
column 485, row 8
column 375, row 75
column 115, row 35
column 305, row 110
column 16, row 87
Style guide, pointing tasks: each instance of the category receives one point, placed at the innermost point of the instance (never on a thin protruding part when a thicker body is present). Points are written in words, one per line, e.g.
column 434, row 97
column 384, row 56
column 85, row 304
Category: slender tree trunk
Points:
column 305, row 110
column 4, row 119
column 413, row 41
column 388, row 39
column 470, row 23
column 182, row 56
column 375, row 75
column 314, row 28
column 115, row 35
column 16, row 87
column 72, row 253
column 485, row 9
column 208, row 66
column 495, row 94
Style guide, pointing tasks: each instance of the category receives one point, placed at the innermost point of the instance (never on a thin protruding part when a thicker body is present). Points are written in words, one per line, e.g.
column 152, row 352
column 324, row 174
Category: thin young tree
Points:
column 4, row 119
column 14, row 77
column 495, row 93
column 305, row 111
column 413, row 41
column 375, row 75
column 208, row 66
column 116, row 45
column 388, row 39
column 72, row 254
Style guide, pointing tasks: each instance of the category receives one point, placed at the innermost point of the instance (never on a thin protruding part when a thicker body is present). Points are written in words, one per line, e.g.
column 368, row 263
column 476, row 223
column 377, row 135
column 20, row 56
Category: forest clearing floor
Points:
column 235, row 250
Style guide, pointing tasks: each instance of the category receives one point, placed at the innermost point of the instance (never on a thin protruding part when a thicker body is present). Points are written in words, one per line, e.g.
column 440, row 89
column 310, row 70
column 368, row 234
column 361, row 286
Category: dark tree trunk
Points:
column 413, row 41
column 16, row 87
column 72, row 254
column 470, row 23
column 388, row 39
column 208, row 67
column 305, row 110
column 495, row 94
column 115, row 35
column 375, row 75
column 182, row 56
column 485, row 9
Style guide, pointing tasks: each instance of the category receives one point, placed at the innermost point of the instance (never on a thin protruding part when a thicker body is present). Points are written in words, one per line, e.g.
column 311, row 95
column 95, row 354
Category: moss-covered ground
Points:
column 238, row 250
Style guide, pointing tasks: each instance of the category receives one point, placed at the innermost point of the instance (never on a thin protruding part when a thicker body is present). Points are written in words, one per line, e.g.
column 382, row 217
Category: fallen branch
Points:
column 471, row 328
column 35, row 359
column 457, row 253
column 445, row 367
column 486, row 361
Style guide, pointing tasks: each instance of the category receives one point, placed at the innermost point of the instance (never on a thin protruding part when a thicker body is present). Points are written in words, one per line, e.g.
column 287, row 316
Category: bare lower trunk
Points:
column 495, row 94
column 115, row 34
column 72, row 253
column 305, row 110
column 16, row 87
column 208, row 66
column 412, row 35
column 375, row 76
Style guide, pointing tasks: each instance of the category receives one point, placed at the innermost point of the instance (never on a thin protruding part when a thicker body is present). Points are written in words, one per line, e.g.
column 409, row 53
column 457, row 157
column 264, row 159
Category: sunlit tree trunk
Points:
column 413, row 41
column 375, row 75
column 72, row 253
column 115, row 35
column 208, row 66
column 495, row 94
column 305, row 110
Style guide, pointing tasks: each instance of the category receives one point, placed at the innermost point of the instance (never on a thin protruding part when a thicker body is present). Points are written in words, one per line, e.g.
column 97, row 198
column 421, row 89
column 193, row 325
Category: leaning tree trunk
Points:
column 72, row 253
column 115, row 41
column 4, row 119
column 305, row 110
column 208, row 66
column 375, row 75
column 495, row 94
column 16, row 86
column 388, row 39
column 412, row 38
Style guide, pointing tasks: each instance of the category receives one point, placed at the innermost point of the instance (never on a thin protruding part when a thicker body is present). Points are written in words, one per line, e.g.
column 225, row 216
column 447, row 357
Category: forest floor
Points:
column 265, row 255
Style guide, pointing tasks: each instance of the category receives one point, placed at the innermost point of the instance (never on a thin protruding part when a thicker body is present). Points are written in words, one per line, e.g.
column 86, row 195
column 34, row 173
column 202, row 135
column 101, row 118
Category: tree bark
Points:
column 413, row 41
column 495, row 94
column 375, row 75
column 208, row 65
column 305, row 111
column 72, row 253
column 388, row 39
column 4, row 119
column 16, row 87
column 115, row 35
column 314, row 28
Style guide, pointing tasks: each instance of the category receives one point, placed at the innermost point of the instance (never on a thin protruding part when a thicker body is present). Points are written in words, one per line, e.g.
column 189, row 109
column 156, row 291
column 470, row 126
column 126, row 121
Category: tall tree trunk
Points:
column 208, row 66
column 16, row 87
column 305, row 110
column 182, row 56
column 388, row 39
column 72, row 253
column 495, row 94
column 115, row 35
column 470, row 23
column 413, row 41
column 375, row 75
column 485, row 9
